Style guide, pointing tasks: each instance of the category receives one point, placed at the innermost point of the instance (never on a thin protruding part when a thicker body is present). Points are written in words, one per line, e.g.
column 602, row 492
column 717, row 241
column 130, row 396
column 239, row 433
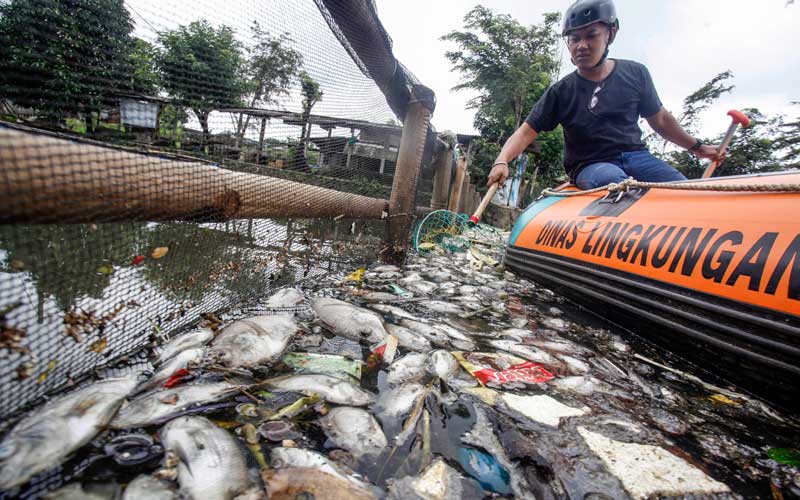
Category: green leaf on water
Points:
column 788, row 456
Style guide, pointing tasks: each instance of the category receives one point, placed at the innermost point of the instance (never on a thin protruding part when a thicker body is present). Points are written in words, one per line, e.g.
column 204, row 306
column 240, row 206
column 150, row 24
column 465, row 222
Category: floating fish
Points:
column 157, row 407
column 282, row 457
column 408, row 339
column 46, row 437
column 189, row 340
column 528, row 352
column 180, row 361
column 397, row 402
column 442, row 364
column 294, row 483
column 347, row 320
column 253, row 341
column 409, row 368
column 332, row 389
column 394, row 311
column 85, row 491
column 354, row 430
column 211, row 462
column 436, row 336
column 285, row 297
column 147, row 487
column 438, row 481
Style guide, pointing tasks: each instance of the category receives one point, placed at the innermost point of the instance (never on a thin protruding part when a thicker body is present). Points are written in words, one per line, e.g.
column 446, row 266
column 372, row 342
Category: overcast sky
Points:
column 684, row 43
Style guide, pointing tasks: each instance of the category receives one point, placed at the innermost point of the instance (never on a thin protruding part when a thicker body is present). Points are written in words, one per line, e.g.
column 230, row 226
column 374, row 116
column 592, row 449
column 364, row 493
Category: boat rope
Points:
column 627, row 184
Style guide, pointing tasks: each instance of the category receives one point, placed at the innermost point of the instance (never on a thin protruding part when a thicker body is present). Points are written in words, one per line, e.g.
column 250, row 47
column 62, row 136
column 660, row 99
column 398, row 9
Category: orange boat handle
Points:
column 737, row 118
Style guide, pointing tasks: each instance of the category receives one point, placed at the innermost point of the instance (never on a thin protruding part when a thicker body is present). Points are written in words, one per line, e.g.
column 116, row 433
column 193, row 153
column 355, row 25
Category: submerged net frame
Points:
column 131, row 213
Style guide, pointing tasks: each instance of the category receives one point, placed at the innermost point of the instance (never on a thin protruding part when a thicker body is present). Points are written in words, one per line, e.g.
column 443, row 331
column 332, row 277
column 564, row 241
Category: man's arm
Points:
column 512, row 148
column 668, row 127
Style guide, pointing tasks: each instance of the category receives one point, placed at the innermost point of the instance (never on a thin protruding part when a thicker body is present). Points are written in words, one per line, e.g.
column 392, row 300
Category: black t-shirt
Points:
column 611, row 126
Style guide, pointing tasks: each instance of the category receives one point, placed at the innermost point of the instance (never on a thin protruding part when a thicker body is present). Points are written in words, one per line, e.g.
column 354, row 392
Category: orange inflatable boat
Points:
column 713, row 264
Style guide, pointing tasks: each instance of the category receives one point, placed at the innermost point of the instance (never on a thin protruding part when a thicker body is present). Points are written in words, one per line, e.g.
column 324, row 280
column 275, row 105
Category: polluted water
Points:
column 445, row 378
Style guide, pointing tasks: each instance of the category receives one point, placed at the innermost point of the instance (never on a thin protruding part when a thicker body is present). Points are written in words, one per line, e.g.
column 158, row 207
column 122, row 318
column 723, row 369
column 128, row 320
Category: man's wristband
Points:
column 500, row 163
column 697, row 145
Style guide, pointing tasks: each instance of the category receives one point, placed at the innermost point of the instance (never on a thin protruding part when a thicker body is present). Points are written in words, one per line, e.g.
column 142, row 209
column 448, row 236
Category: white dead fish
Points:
column 574, row 365
column 421, row 287
column 347, row 320
column 556, row 324
column 391, row 310
column 212, row 465
column 527, row 352
column 438, row 276
column 282, row 457
column 442, row 364
column 331, row 389
column 147, row 487
column 386, row 268
column 379, row 297
column 285, row 297
column 189, row 340
column 46, row 437
column 155, row 407
column 410, row 278
column 438, row 481
column 409, row 368
column 179, row 361
column 408, row 339
column 354, row 430
column 85, row 491
column 442, row 307
column 305, row 482
column 252, row 341
column 435, row 335
column 397, row 402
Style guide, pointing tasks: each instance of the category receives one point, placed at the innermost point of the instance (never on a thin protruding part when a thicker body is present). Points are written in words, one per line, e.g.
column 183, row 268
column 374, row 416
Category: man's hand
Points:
column 708, row 151
column 499, row 174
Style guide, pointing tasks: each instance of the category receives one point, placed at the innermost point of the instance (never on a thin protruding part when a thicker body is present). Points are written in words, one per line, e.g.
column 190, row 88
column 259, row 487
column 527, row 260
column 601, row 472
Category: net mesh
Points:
column 162, row 162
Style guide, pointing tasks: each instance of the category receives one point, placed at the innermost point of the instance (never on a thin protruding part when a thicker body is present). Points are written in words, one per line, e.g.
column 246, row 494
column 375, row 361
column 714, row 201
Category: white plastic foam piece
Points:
column 646, row 470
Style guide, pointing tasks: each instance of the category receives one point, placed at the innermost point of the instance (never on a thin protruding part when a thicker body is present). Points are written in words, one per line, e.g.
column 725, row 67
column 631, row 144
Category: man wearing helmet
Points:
column 598, row 107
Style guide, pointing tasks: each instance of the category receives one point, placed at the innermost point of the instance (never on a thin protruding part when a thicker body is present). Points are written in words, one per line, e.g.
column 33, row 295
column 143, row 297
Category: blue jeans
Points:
column 641, row 165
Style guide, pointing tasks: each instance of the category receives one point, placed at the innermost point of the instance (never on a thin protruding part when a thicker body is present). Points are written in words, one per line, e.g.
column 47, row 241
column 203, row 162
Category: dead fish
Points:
column 211, row 463
column 332, row 389
column 285, row 297
column 190, row 340
column 435, row 335
column 410, row 278
column 85, row 491
column 421, row 287
column 408, row 339
column 354, row 430
column 556, row 324
column 294, row 483
column 438, row 481
column 39, row 441
column 282, row 457
column 438, row 276
column 380, row 297
column 147, row 487
column 560, row 347
column 442, row 307
column 350, row 321
column 574, row 365
column 442, row 364
column 409, row 368
column 397, row 402
column 386, row 268
column 156, row 407
column 586, row 386
column 181, row 360
column 528, row 352
column 467, row 290
column 253, row 341
column 393, row 311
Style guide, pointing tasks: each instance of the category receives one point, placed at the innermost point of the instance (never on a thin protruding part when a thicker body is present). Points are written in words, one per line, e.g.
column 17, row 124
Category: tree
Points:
column 143, row 71
column 202, row 68
column 311, row 95
column 510, row 66
column 63, row 57
column 270, row 71
column 788, row 141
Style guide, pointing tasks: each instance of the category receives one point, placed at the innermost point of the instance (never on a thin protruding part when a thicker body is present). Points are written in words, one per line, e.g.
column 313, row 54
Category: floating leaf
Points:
column 788, row 456
column 720, row 398
column 106, row 269
column 138, row 259
column 356, row 275
column 159, row 252
column 100, row 345
column 25, row 370
column 46, row 373
column 17, row 265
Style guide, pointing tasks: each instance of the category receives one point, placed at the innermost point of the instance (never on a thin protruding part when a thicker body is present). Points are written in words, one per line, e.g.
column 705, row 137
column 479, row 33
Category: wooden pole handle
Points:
column 476, row 217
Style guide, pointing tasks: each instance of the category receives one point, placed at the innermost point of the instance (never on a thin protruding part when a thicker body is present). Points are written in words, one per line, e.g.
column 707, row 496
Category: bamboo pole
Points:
column 46, row 180
column 409, row 160
column 441, row 179
column 458, row 184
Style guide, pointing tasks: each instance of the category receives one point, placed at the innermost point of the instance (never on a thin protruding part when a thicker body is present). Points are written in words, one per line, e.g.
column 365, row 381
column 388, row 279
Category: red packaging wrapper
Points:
column 499, row 369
